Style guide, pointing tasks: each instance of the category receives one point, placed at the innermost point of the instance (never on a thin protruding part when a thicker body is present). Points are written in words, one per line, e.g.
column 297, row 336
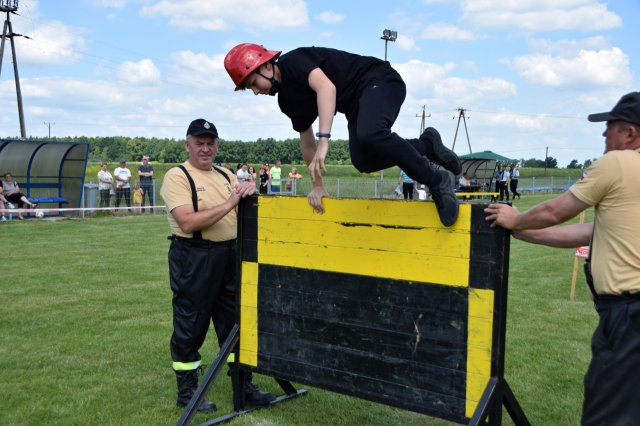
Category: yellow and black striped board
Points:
column 374, row 299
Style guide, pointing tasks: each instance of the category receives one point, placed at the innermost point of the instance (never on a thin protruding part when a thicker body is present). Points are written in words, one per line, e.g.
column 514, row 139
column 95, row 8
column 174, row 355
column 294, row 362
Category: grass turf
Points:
column 86, row 319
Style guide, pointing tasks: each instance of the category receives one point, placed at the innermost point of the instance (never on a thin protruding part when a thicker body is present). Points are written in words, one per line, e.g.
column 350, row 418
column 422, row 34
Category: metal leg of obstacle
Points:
column 238, row 386
column 497, row 393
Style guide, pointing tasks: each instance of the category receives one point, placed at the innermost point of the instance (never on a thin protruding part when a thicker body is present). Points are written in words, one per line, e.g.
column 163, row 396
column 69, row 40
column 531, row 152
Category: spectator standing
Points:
column 613, row 268
column 145, row 173
column 264, row 180
column 243, row 174
column 123, row 189
column 276, row 174
column 503, row 183
column 105, row 185
column 514, row 174
column 202, row 257
column 138, row 196
column 253, row 174
column 408, row 185
column 422, row 193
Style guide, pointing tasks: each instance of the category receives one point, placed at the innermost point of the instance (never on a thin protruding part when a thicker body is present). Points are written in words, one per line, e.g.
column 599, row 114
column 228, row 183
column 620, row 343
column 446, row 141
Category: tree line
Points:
column 115, row 148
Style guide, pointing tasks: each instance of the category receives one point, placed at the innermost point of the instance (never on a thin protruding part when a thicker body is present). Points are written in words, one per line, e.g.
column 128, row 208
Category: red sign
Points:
column 582, row 252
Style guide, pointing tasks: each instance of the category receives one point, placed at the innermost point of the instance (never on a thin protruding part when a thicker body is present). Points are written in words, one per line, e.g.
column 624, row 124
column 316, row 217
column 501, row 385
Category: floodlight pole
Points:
column 387, row 36
column 10, row 6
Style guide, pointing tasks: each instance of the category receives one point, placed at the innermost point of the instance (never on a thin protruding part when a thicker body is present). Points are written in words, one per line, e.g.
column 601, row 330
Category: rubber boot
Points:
column 187, row 386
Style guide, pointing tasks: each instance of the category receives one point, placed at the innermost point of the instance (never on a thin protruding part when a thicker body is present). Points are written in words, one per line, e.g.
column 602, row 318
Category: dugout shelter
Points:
column 49, row 173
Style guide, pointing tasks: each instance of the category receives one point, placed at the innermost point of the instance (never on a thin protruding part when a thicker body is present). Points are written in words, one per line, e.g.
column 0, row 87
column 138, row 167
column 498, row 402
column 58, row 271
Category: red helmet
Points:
column 244, row 59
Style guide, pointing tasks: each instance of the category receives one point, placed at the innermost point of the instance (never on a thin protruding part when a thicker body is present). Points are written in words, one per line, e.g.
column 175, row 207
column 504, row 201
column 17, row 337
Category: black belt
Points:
column 201, row 243
column 612, row 300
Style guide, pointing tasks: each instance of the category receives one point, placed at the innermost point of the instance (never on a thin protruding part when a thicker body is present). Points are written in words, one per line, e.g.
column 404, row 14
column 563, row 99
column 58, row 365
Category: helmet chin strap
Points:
column 275, row 84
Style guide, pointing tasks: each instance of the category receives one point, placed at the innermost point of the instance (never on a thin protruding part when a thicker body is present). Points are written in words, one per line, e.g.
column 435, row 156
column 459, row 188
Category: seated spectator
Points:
column 463, row 182
column 3, row 205
column 11, row 192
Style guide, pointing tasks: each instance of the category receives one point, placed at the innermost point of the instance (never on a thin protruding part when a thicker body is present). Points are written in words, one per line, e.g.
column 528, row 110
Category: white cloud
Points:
column 474, row 91
column 141, row 72
column 540, row 15
column 330, row 17
column 221, row 15
column 50, row 43
column 585, row 69
column 423, row 76
column 446, row 31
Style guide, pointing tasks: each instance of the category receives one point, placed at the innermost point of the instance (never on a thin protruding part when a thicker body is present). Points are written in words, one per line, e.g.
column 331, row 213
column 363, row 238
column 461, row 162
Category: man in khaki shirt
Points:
column 613, row 270
column 201, row 202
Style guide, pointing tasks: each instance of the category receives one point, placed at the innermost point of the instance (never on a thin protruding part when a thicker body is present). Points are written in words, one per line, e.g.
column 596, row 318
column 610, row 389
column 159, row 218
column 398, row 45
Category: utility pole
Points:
column 49, row 124
column 546, row 157
column 423, row 119
column 461, row 115
column 11, row 6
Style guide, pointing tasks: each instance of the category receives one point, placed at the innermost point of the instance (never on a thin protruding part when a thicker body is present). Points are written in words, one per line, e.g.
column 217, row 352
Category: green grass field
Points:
column 86, row 320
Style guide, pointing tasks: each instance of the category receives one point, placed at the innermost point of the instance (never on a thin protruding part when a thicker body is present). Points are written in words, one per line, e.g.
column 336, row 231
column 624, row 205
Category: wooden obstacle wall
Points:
column 374, row 299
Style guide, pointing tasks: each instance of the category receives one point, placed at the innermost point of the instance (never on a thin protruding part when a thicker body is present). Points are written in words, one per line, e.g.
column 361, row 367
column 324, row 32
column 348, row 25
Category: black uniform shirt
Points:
column 350, row 73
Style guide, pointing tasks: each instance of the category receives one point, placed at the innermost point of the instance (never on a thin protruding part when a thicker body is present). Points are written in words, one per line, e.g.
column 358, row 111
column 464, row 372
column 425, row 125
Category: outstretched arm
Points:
column 309, row 151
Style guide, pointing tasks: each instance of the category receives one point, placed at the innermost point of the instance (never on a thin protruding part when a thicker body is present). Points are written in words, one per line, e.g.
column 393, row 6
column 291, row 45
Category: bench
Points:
column 493, row 195
column 44, row 200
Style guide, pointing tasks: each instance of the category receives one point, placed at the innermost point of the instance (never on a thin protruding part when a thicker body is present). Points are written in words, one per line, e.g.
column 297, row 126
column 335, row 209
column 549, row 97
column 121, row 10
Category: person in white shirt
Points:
column 422, row 193
column 105, row 185
column 514, row 174
column 503, row 182
column 243, row 174
column 123, row 175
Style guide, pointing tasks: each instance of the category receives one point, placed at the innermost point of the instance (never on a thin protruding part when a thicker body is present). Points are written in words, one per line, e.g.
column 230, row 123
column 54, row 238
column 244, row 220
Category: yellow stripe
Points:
column 480, row 332
column 249, row 314
column 185, row 366
column 391, row 239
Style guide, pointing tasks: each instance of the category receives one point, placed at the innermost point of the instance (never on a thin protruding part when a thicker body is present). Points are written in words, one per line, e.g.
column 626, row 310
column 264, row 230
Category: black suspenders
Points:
column 197, row 235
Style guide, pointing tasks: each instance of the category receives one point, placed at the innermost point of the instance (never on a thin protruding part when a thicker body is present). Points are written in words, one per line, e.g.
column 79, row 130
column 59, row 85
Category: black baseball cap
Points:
column 627, row 109
column 201, row 127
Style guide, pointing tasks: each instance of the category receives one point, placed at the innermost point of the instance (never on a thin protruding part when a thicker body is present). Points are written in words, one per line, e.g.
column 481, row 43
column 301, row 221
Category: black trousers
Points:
column 126, row 193
column 407, row 190
column 502, row 185
column 147, row 193
column 611, row 394
column 514, row 188
column 202, row 278
column 105, row 197
column 372, row 144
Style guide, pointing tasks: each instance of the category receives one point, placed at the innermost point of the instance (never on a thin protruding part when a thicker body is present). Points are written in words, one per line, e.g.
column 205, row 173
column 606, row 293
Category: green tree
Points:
column 574, row 165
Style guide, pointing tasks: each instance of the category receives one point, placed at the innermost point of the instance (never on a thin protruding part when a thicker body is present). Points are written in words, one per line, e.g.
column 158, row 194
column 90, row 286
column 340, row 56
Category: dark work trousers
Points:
column 126, row 193
column 514, row 188
column 372, row 144
column 611, row 394
column 503, row 189
column 105, row 197
column 407, row 190
column 147, row 193
column 202, row 278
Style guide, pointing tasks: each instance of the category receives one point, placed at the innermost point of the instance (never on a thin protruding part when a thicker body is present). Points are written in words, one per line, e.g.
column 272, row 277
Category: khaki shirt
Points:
column 212, row 189
column 612, row 185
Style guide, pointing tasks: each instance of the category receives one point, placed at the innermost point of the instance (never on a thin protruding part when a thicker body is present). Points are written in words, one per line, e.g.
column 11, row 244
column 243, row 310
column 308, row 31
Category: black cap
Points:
column 122, row 161
column 201, row 127
column 627, row 109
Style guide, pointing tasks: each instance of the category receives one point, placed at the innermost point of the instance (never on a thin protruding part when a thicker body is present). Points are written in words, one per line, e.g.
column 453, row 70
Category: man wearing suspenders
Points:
column 201, row 201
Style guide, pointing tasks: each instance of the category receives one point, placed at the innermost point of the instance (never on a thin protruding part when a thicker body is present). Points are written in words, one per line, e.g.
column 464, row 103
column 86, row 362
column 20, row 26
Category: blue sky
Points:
column 527, row 72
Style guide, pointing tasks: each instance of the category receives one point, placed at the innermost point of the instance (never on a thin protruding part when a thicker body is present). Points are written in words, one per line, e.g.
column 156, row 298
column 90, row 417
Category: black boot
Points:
column 253, row 395
column 187, row 386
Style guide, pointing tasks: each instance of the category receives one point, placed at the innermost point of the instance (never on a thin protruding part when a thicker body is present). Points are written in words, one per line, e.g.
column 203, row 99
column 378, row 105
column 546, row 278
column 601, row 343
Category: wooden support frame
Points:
column 376, row 299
